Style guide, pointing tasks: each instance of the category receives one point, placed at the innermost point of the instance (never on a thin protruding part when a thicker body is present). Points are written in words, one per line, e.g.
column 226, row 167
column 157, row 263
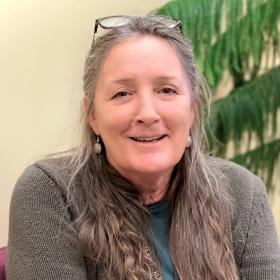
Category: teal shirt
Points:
column 159, row 222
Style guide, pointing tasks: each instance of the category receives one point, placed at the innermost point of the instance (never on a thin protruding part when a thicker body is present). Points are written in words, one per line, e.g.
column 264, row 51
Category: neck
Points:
column 152, row 188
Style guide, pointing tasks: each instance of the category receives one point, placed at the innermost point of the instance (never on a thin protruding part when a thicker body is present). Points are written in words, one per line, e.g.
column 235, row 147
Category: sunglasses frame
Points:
column 98, row 22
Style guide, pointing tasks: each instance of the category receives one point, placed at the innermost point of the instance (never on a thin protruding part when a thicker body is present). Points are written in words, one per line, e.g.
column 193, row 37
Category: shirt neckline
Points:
column 158, row 210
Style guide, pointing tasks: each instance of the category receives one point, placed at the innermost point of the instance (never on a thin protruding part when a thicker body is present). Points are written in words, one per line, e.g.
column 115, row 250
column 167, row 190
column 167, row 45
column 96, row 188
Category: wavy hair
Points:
column 112, row 226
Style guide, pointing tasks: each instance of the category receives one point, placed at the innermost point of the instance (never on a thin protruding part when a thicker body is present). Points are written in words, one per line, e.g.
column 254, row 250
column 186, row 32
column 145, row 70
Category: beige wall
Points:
column 42, row 49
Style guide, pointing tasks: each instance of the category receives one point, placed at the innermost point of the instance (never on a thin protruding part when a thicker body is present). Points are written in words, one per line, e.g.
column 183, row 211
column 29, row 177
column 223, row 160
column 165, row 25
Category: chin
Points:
column 152, row 167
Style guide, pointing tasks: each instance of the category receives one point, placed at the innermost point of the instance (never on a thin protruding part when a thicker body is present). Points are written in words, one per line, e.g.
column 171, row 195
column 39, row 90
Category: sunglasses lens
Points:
column 111, row 22
column 170, row 22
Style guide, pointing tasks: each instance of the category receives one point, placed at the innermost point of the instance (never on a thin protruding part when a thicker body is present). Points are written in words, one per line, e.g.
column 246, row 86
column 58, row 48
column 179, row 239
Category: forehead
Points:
column 150, row 53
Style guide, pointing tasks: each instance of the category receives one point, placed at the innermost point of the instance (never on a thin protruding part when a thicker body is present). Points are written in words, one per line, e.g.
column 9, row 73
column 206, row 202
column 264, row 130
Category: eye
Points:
column 121, row 94
column 168, row 91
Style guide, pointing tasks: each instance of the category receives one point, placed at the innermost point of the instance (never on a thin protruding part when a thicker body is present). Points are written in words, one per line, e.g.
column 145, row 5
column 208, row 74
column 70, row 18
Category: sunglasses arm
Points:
column 95, row 30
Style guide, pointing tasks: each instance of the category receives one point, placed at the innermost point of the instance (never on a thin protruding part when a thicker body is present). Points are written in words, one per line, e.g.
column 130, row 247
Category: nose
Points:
column 147, row 110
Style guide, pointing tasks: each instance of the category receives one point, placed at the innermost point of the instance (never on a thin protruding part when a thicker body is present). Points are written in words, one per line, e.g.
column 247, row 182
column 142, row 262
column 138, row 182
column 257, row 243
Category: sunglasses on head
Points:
column 118, row 21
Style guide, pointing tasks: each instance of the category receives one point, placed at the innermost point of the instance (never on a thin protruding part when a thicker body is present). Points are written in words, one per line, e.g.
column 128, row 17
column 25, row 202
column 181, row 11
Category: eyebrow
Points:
column 168, row 78
column 122, row 81
column 159, row 78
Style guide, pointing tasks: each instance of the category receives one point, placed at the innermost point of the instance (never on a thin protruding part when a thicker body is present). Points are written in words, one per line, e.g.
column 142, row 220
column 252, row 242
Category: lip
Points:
column 148, row 136
column 151, row 139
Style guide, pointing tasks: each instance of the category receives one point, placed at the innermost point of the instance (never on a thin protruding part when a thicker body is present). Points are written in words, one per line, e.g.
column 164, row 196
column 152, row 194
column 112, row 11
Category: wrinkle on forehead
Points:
column 154, row 54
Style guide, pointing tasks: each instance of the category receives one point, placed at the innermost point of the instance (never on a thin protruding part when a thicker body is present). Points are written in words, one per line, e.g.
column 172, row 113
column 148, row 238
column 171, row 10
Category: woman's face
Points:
column 143, row 108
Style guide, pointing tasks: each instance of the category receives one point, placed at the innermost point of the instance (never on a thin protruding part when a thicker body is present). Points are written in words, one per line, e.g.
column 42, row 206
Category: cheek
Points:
column 183, row 130
column 112, row 122
column 181, row 118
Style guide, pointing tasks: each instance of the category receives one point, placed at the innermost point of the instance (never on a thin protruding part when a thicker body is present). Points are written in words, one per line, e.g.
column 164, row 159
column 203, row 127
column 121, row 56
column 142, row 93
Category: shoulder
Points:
column 41, row 225
column 251, row 220
column 44, row 182
column 246, row 190
column 243, row 185
column 247, row 193
column 48, row 173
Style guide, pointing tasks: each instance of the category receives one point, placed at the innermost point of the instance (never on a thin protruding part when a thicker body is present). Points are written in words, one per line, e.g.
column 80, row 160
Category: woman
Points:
column 138, row 199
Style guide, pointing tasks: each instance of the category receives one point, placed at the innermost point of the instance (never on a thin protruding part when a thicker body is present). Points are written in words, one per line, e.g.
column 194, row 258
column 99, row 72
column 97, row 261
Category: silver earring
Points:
column 189, row 142
column 97, row 146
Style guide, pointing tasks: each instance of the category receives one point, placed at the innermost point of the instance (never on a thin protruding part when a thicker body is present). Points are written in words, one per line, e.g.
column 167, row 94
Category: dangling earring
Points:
column 189, row 142
column 97, row 146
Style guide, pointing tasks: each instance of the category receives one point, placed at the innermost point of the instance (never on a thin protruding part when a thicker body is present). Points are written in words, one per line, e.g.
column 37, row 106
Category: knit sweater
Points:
column 42, row 235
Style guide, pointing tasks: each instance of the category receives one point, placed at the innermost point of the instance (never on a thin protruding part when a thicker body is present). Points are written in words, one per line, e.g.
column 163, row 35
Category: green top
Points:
column 159, row 221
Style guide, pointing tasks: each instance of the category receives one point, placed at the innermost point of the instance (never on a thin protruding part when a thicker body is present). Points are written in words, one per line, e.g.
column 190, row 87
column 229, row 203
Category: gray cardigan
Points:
column 42, row 236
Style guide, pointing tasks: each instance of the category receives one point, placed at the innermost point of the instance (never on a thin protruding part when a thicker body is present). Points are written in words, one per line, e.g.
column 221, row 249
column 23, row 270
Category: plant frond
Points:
column 171, row 8
column 228, row 34
column 250, row 108
column 242, row 46
column 238, row 36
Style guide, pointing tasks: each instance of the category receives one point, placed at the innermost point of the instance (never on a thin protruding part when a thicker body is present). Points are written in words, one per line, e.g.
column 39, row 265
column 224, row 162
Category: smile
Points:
column 148, row 139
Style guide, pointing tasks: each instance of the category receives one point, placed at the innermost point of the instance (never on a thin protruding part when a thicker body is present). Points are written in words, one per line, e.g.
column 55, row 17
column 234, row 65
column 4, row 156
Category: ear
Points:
column 91, row 119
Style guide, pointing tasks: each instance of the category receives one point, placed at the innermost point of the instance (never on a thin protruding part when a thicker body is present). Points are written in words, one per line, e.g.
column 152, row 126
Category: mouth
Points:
column 146, row 139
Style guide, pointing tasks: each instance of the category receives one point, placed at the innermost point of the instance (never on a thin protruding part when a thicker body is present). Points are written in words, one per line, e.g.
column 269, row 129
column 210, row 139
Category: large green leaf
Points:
column 230, row 34
column 233, row 36
column 251, row 108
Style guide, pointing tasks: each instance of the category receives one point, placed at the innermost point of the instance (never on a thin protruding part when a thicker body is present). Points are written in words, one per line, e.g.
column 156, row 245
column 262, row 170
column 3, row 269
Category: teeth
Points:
column 147, row 138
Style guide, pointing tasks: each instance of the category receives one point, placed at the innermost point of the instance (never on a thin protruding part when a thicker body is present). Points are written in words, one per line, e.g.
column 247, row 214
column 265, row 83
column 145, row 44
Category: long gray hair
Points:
column 112, row 226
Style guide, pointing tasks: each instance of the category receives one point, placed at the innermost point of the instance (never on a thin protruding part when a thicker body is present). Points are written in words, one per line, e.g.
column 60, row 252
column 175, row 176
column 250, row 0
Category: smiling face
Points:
column 143, row 107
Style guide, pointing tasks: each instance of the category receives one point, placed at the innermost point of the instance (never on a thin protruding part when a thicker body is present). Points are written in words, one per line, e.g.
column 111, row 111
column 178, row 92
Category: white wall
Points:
column 43, row 44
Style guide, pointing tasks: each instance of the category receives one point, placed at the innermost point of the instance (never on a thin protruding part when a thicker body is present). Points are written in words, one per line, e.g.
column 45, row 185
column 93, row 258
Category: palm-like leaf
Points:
column 228, row 34
column 251, row 108
column 235, row 37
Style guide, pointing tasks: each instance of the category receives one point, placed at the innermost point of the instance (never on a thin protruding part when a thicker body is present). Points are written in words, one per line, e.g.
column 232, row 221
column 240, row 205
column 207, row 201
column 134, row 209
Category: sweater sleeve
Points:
column 41, row 235
column 261, row 253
